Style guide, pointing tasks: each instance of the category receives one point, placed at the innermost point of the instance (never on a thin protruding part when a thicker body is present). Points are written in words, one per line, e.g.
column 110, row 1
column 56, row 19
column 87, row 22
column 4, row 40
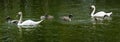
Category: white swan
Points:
column 100, row 14
column 27, row 22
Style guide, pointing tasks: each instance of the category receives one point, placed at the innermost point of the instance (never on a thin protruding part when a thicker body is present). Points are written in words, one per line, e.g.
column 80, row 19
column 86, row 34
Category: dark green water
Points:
column 80, row 29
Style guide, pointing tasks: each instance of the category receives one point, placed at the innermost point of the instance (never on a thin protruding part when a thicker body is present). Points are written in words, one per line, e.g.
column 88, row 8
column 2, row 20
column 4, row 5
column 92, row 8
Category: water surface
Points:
column 80, row 29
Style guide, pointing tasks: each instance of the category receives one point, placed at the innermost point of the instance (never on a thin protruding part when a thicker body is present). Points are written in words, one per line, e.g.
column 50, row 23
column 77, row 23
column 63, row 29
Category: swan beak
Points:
column 16, row 15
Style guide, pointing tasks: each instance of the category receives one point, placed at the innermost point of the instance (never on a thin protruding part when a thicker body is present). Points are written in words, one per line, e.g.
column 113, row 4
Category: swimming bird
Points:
column 9, row 20
column 99, row 15
column 46, row 16
column 67, row 18
column 27, row 22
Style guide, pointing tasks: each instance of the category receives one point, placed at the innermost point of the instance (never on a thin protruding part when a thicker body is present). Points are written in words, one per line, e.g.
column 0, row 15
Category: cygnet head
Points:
column 92, row 6
column 46, row 15
column 8, row 18
column 70, row 16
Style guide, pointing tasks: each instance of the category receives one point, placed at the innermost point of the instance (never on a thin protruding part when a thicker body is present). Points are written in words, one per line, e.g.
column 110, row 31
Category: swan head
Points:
column 92, row 6
column 19, row 13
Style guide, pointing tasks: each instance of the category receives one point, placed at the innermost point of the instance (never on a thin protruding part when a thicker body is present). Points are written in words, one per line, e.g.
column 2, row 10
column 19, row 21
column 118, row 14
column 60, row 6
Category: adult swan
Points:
column 27, row 22
column 100, row 14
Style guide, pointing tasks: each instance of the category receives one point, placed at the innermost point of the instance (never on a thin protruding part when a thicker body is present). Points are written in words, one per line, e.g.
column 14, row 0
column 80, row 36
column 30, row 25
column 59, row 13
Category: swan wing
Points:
column 100, row 14
column 28, row 22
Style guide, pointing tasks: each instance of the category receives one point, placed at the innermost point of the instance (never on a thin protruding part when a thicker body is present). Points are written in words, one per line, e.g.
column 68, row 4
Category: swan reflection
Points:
column 23, row 29
column 101, row 20
column 28, row 26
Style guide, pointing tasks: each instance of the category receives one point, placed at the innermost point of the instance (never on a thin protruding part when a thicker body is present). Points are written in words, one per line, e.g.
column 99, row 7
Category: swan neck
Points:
column 93, row 11
column 20, row 20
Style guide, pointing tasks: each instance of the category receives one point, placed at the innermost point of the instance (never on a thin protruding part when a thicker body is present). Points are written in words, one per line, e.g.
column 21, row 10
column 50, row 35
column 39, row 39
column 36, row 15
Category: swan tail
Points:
column 108, row 14
column 39, row 21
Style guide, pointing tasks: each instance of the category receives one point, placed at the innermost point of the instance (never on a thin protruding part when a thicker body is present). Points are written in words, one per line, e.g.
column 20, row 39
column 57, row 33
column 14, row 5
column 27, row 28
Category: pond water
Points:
column 80, row 29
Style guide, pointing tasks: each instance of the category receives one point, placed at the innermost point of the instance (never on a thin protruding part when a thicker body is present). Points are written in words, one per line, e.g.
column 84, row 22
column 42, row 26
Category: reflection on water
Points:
column 28, row 26
column 101, row 20
column 24, row 29
column 80, row 29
